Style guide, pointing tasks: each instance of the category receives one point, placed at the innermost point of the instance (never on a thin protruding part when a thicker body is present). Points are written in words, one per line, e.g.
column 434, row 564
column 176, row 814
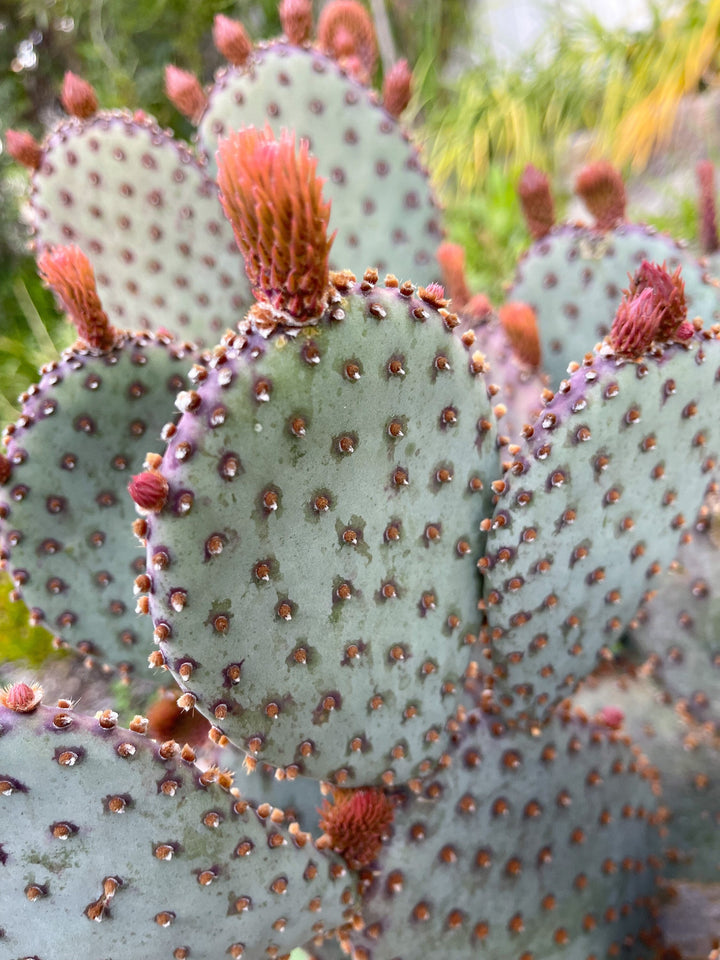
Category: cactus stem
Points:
column 78, row 97
column 273, row 198
column 602, row 190
column 69, row 272
column 24, row 148
column 185, row 92
column 231, row 40
column 536, row 201
column 355, row 824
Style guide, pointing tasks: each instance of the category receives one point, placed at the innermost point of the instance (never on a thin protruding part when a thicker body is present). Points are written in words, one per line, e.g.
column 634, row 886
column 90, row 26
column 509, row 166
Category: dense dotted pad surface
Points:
column 684, row 759
column 199, row 873
column 382, row 205
column 145, row 212
column 66, row 515
column 574, row 277
column 593, row 510
column 313, row 577
column 679, row 626
column 526, row 848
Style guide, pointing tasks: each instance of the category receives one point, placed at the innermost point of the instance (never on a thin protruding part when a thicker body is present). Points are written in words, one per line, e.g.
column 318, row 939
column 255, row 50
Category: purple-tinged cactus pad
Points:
column 678, row 628
column 574, row 277
column 592, row 511
column 382, row 204
column 526, row 846
column 66, row 515
column 147, row 215
column 114, row 846
column 319, row 596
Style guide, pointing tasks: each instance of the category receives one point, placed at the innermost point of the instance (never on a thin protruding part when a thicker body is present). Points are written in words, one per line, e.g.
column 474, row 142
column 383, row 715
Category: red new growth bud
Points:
column 635, row 325
column 612, row 717
column 346, row 32
column 603, row 192
column 24, row 148
column 397, row 88
column 451, row 257
column 478, row 308
column 149, row 490
column 536, row 201
column 78, row 97
column 708, row 216
column 5, row 468
column 520, row 324
column 68, row 271
column 184, row 91
column 296, row 20
column 668, row 296
column 273, row 198
column 21, row 697
column 231, row 39
column 355, row 824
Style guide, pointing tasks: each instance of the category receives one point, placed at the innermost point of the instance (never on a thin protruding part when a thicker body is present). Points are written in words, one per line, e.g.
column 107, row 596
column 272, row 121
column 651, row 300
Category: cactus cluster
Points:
column 378, row 564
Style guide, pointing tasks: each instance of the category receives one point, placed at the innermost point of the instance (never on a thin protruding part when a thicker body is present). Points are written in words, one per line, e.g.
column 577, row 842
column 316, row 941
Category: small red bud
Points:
column 397, row 88
column 78, row 97
column 231, row 40
column 603, row 193
column 612, row 717
column 5, row 469
column 708, row 216
column 69, row 272
column 185, row 92
column 149, row 490
column 451, row 257
column 520, row 324
column 536, row 201
column 346, row 32
column 296, row 20
column 685, row 330
column 24, row 148
column 356, row 823
column 20, row 697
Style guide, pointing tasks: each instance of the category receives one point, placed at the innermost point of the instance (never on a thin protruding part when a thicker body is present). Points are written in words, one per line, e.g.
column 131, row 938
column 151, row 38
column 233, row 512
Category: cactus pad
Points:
column 124, row 846
column 593, row 509
column 382, row 205
column 66, row 531
column 319, row 598
column 145, row 212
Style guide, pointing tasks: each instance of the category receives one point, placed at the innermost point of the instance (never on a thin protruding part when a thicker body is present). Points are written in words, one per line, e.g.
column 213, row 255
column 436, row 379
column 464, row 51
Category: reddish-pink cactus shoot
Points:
column 652, row 310
column 69, row 272
column 296, row 20
column 272, row 196
column 149, row 490
column 21, row 697
column 397, row 88
column 612, row 717
column 231, row 39
column 24, row 148
column 451, row 257
column 537, row 201
column 78, row 97
column 355, row 824
column 346, row 32
column 602, row 190
column 709, row 240
column 5, row 468
column 520, row 324
column 184, row 91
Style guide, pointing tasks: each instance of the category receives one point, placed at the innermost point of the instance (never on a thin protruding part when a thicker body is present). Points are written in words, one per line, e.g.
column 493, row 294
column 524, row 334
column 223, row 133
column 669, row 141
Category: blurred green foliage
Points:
column 18, row 641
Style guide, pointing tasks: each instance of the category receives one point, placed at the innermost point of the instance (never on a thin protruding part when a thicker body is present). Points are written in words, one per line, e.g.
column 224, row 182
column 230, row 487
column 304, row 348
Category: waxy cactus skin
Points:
column 372, row 549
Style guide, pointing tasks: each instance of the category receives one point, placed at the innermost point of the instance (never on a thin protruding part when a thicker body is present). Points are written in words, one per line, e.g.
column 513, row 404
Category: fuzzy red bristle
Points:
column 397, row 88
column 536, row 201
column 69, row 272
column 272, row 196
column 296, row 20
column 78, row 97
column 355, row 824
column 669, row 295
column 231, row 39
column 602, row 190
column 520, row 324
column 24, row 148
column 184, row 90
column 346, row 32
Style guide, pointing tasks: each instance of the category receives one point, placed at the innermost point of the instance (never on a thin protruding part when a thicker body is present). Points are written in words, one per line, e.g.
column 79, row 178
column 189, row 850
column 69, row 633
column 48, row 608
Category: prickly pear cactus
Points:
column 573, row 276
column 66, row 516
column 594, row 504
column 523, row 846
column 139, row 204
column 318, row 599
column 114, row 845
